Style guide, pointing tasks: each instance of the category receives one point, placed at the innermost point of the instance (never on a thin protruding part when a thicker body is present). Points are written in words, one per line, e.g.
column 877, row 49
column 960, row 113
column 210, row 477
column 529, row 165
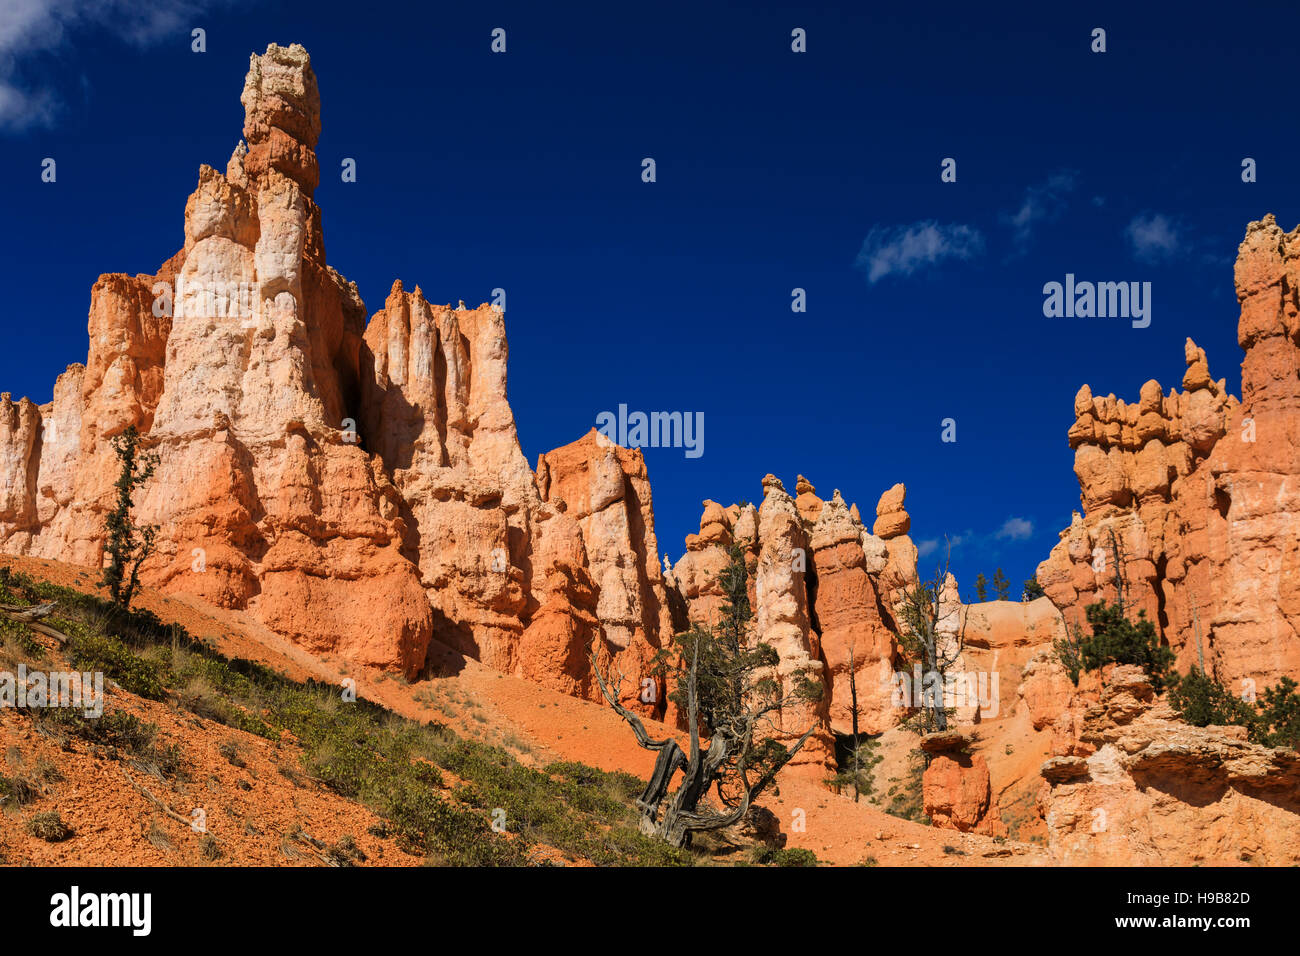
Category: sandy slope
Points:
column 536, row 724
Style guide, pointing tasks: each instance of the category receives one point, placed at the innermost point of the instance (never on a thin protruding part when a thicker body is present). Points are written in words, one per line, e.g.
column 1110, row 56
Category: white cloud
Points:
column 1041, row 204
column 1016, row 529
column 905, row 249
column 930, row 545
column 32, row 27
column 1153, row 237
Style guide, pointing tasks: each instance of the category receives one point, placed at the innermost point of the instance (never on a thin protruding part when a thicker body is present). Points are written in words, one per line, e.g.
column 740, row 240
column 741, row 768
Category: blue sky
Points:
column 775, row 171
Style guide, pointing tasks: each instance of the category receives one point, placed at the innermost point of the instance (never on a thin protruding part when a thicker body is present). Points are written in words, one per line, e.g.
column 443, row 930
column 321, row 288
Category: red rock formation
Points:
column 1136, row 783
column 361, row 489
column 606, row 490
column 955, row 787
column 1199, row 491
column 823, row 589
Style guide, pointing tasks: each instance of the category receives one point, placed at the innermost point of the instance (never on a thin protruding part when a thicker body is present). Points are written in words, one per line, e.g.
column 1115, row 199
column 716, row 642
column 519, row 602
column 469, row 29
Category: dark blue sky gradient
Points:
column 523, row 171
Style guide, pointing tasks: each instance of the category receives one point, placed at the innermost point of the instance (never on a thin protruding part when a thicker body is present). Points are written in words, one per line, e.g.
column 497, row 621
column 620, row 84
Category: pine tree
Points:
column 981, row 588
column 1001, row 585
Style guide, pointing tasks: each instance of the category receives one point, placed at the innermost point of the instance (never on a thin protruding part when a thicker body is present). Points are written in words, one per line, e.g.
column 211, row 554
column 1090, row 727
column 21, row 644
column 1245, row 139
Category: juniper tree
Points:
column 128, row 544
column 727, row 687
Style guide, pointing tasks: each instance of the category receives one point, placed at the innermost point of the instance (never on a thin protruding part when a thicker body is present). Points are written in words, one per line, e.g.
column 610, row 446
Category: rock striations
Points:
column 359, row 487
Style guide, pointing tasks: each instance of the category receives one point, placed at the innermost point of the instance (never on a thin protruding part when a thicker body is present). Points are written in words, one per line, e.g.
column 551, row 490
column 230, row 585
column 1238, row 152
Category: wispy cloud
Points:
column 1016, row 529
column 1013, row 529
column 1154, row 237
column 32, row 27
column 1041, row 204
column 932, row 545
column 902, row 250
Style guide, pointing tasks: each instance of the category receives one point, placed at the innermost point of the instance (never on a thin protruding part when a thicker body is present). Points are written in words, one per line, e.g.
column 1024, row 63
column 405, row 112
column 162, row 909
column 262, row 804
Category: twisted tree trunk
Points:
column 681, row 817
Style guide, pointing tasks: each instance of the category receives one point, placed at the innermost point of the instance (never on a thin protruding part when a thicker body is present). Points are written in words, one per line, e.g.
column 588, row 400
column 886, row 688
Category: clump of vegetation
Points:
column 49, row 826
column 768, row 856
column 1279, row 719
column 345, row 852
column 102, row 652
column 1068, row 651
column 18, row 791
column 1115, row 639
column 210, row 848
column 120, row 733
column 856, row 760
column 1272, row 721
column 1032, row 590
column 230, row 750
column 906, row 797
column 1202, row 700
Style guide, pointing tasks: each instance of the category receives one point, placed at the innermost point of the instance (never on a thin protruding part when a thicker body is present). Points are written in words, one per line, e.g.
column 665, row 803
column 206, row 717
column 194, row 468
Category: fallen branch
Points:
column 25, row 615
column 31, row 616
column 161, row 806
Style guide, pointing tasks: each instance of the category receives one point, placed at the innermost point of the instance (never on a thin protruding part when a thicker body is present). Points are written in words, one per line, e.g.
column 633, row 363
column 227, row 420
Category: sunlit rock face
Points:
column 358, row 486
column 1195, row 492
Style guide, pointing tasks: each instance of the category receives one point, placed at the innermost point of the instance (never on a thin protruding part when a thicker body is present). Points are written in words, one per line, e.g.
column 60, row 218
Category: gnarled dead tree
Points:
column 731, row 692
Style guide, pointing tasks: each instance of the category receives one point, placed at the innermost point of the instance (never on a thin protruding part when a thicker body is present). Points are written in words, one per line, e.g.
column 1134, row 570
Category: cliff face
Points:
column 1196, row 491
column 239, row 360
column 359, row 487
column 1130, row 785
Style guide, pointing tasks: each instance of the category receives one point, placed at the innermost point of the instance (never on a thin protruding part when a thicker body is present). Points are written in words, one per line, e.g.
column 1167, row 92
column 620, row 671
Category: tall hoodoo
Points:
column 358, row 487
column 1197, row 492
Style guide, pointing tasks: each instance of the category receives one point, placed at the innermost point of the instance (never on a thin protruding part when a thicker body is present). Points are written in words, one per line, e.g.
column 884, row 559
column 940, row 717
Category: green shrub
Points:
column 1273, row 720
column 767, row 856
column 98, row 652
column 1202, row 700
column 1279, row 719
column 1116, row 640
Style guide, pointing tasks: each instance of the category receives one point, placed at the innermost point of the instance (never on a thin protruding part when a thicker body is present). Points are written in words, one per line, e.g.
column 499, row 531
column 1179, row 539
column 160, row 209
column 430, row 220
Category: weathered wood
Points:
column 31, row 616
column 670, row 760
column 25, row 615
